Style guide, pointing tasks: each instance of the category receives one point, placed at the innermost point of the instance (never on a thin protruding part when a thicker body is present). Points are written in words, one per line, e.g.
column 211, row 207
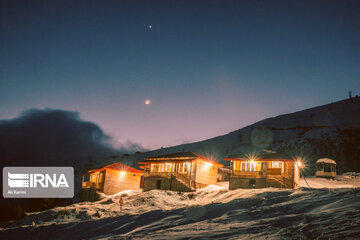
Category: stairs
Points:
column 176, row 181
column 185, row 180
column 281, row 181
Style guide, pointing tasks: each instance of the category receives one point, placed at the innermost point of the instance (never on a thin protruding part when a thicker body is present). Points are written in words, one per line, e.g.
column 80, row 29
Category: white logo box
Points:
column 38, row 182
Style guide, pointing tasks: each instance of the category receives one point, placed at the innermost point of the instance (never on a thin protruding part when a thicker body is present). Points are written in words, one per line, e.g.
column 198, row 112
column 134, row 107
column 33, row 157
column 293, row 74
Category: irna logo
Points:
column 16, row 180
column 38, row 182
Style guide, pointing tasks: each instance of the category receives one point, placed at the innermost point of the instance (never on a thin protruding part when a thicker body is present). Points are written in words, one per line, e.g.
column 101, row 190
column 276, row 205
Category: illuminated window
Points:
column 184, row 167
column 248, row 166
column 162, row 167
column 237, row 165
column 155, row 168
column 277, row 164
column 168, row 167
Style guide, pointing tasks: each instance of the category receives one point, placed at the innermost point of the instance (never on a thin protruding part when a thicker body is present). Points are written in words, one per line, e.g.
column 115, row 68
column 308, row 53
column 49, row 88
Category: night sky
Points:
column 208, row 67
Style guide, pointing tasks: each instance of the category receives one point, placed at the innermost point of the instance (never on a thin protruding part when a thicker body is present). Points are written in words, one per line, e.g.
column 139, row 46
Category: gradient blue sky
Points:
column 209, row 67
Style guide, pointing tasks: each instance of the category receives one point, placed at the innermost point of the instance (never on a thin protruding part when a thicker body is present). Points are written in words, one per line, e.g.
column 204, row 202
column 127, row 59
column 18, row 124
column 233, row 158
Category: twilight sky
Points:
column 209, row 67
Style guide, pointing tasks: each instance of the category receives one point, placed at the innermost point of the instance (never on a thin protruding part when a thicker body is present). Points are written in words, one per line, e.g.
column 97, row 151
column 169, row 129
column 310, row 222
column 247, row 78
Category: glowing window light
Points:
column 252, row 165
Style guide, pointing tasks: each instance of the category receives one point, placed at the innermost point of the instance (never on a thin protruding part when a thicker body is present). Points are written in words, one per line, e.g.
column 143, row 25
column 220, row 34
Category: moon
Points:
column 150, row 26
column 147, row 101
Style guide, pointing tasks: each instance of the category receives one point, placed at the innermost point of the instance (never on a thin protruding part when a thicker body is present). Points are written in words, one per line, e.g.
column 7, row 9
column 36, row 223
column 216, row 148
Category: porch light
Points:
column 299, row 163
column 207, row 164
column 122, row 173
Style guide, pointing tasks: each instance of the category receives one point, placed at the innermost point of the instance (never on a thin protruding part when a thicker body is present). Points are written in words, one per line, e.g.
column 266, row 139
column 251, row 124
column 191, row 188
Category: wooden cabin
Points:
column 182, row 171
column 326, row 168
column 112, row 178
column 270, row 170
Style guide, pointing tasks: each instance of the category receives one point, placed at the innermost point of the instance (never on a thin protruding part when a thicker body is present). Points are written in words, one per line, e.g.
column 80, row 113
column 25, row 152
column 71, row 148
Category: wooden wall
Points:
column 88, row 194
column 292, row 172
column 289, row 170
column 296, row 176
column 205, row 174
column 115, row 182
column 246, row 183
column 171, row 183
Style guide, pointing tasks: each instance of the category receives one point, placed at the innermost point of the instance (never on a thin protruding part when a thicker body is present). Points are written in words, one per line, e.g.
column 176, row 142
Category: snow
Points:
column 326, row 160
column 330, row 208
column 339, row 182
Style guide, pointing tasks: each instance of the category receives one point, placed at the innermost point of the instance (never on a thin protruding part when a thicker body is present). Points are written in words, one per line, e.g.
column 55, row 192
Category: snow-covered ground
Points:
column 343, row 181
column 330, row 209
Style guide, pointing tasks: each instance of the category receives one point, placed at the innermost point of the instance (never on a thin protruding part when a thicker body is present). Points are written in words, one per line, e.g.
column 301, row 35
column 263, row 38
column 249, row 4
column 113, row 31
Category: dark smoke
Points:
column 53, row 137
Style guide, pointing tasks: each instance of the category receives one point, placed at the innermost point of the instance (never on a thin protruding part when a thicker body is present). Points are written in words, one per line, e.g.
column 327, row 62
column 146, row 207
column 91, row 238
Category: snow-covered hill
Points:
column 212, row 212
column 331, row 130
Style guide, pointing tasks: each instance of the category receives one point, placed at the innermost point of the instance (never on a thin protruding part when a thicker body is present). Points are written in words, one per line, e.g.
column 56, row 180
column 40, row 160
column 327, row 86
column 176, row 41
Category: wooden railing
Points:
column 241, row 174
column 184, row 178
column 93, row 185
column 283, row 181
column 287, row 182
column 255, row 174
column 88, row 184
column 157, row 174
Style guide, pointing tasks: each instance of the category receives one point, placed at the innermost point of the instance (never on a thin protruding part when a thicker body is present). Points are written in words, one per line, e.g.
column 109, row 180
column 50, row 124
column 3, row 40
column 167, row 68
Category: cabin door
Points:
column 264, row 166
column 158, row 184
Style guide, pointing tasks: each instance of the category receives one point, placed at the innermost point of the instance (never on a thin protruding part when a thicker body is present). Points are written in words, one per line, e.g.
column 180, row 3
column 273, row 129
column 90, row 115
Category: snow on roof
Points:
column 122, row 167
column 267, row 156
column 326, row 160
column 116, row 166
column 179, row 157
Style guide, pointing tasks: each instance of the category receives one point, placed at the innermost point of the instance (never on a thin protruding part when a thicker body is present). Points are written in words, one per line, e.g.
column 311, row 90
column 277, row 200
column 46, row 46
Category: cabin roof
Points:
column 260, row 157
column 116, row 166
column 178, row 157
column 326, row 160
column 224, row 170
column 122, row 167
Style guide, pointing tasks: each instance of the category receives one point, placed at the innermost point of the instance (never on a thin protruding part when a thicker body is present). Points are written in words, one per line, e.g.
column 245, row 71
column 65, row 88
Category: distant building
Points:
column 223, row 174
column 326, row 168
column 112, row 179
column 268, row 170
column 182, row 171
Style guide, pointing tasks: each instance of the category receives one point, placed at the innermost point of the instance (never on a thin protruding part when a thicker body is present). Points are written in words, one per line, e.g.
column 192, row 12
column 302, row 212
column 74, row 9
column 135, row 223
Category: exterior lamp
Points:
column 299, row 163
column 208, row 164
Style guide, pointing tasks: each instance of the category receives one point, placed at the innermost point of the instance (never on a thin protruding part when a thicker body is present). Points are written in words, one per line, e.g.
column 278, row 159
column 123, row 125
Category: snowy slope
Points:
column 314, row 133
column 212, row 212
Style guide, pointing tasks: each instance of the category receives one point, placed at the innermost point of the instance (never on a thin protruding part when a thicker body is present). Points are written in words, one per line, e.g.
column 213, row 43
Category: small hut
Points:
column 112, row 178
column 325, row 168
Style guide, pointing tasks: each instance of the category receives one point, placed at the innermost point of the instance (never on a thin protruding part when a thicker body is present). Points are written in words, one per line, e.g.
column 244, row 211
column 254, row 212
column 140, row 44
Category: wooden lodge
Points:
column 182, row 171
column 269, row 170
column 112, row 179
